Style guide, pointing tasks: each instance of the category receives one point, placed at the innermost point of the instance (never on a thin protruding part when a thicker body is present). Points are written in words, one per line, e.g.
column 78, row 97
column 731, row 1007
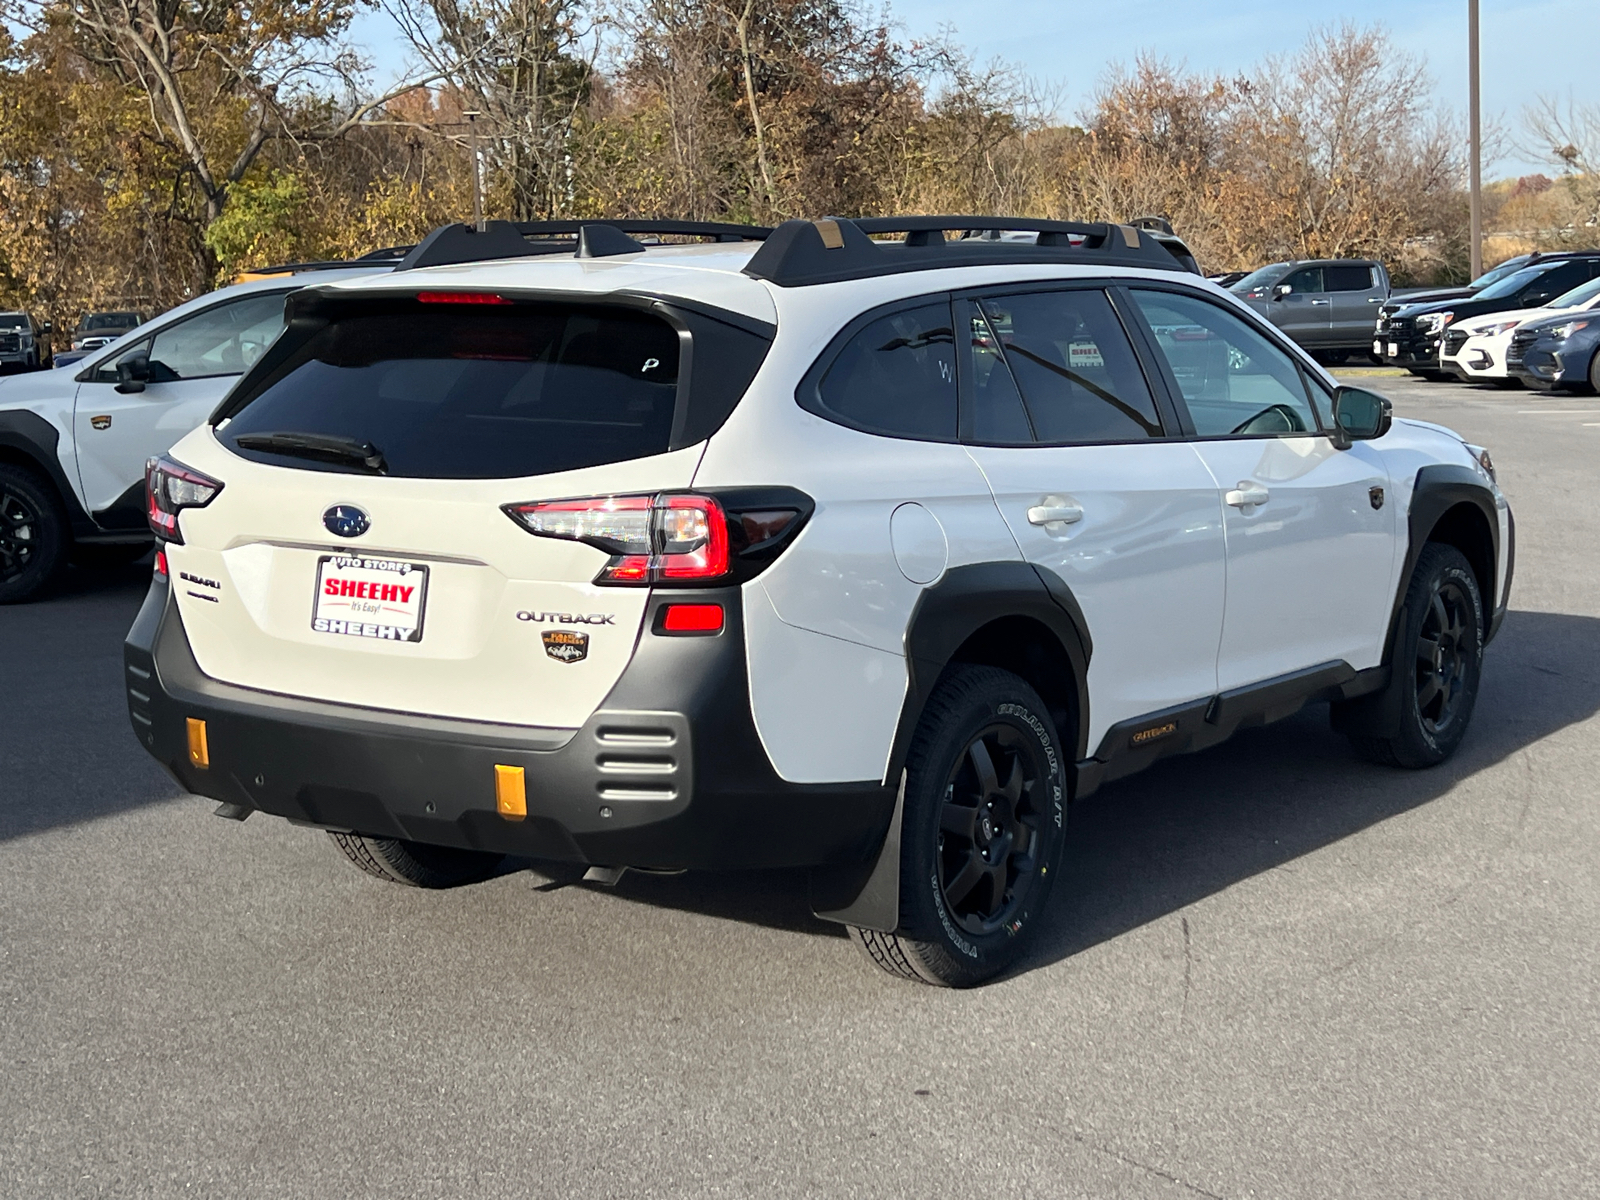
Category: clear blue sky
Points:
column 1530, row 47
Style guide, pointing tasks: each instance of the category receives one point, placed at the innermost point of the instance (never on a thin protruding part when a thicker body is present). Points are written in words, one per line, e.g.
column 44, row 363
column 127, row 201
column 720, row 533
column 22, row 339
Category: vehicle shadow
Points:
column 67, row 753
column 1147, row 846
column 1190, row 827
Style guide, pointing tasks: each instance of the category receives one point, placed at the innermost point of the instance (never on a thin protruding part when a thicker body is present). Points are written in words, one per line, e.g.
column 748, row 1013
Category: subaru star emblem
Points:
column 346, row 520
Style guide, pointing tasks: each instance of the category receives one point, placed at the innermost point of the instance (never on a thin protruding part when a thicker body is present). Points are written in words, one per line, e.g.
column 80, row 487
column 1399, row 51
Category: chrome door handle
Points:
column 1248, row 495
column 1322, row 302
column 1055, row 510
column 1374, row 299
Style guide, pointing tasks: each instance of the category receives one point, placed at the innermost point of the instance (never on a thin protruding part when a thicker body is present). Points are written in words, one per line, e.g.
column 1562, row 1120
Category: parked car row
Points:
column 1523, row 321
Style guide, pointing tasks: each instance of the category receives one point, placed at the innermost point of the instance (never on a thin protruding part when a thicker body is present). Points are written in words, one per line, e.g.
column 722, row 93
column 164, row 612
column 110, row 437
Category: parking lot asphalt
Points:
column 1271, row 970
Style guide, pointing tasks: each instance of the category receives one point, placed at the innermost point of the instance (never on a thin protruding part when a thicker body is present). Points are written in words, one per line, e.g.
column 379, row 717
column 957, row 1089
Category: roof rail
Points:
column 504, row 239
column 800, row 253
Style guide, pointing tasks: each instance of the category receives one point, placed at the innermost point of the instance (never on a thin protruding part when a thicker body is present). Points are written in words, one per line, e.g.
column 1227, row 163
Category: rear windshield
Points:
column 115, row 320
column 475, row 391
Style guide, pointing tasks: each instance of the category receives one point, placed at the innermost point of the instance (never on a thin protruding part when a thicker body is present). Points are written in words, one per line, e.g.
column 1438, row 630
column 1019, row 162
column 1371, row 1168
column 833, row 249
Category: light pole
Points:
column 1475, row 122
column 477, row 168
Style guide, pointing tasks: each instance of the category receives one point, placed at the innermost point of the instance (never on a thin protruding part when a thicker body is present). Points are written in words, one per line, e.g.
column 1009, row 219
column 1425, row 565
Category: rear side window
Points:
column 896, row 376
column 1073, row 366
column 475, row 391
column 1349, row 277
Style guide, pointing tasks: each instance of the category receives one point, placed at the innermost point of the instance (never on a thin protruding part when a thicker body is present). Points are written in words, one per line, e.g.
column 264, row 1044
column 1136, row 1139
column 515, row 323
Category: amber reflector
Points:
column 199, row 752
column 511, row 792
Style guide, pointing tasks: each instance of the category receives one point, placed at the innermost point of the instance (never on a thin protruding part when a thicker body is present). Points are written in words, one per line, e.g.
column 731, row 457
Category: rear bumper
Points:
column 669, row 772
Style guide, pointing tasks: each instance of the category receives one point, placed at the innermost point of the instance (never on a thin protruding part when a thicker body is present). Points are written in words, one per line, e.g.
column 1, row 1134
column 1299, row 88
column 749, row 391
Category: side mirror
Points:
column 1282, row 290
column 133, row 373
column 46, row 327
column 1359, row 416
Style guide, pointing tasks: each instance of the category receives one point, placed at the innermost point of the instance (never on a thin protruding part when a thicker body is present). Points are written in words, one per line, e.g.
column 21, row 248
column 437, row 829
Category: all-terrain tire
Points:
column 981, row 831
column 1437, row 666
column 416, row 864
column 35, row 538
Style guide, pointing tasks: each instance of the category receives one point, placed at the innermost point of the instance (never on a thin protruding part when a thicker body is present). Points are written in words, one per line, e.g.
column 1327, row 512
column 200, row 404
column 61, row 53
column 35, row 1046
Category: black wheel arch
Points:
column 1451, row 504
column 1013, row 615
column 28, row 440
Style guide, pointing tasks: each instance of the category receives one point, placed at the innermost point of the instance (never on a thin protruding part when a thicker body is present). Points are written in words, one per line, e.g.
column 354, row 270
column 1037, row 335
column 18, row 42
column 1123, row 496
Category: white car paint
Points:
column 102, row 463
column 1184, row 595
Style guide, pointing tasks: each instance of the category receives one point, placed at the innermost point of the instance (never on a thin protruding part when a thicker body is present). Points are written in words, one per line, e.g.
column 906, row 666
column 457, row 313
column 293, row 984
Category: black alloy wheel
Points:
column 19, row 531
column 1443, row 657
column 1420, row 718
column 34, row 538
column 982, row 827
column 988, row 828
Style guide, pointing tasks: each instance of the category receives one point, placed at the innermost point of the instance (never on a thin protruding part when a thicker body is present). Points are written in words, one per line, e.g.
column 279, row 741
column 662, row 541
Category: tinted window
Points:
column 1233, row 379
column 106, row 372
column 1560, row 279
column 473, row 392
column 1307, row 279
column 1582, row 294
column 896, row 376
column 1512, row 284
column 998, row 417
column 13, row 321
column 1348, row 277
column 224, row 340
column 1495, row 274
column 1257, row 280
column 1074, row 367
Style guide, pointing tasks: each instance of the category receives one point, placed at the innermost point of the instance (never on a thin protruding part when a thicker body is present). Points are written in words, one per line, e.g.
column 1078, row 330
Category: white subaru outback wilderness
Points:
column 801, row 548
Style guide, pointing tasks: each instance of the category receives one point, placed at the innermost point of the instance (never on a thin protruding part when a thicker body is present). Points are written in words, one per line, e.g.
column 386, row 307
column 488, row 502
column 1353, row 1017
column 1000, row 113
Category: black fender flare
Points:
column 963, row 601
column 1438, row 489
column 37, row 441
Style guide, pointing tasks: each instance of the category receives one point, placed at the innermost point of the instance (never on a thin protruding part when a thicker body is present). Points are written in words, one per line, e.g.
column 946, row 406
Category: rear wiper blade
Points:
column 319, row 446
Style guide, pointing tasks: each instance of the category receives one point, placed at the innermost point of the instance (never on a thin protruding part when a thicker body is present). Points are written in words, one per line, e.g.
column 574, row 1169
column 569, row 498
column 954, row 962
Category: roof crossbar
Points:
column 802, row 253
column 504, row 239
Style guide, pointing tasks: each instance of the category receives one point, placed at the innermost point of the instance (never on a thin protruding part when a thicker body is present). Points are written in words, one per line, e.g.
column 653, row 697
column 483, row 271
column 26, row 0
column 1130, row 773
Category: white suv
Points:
column 74, row 441
column 859, row 555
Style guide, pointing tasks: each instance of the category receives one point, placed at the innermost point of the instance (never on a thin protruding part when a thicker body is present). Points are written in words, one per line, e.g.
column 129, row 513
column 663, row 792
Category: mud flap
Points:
column 865, row 895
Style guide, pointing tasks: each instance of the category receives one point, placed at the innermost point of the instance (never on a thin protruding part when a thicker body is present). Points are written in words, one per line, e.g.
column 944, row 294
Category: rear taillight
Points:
column 169, row 489
column 651, row 539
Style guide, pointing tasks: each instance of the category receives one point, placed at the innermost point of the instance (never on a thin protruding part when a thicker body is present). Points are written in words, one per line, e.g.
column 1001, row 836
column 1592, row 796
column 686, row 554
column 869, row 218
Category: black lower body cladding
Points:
column 669, row 772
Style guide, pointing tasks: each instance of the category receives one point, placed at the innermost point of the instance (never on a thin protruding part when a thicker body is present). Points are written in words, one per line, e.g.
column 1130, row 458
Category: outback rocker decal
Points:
column 566, row 645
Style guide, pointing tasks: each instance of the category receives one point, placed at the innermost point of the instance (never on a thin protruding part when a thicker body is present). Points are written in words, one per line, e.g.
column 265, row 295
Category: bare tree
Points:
column 219, row 79
column 526, row 66
column 1568, row 137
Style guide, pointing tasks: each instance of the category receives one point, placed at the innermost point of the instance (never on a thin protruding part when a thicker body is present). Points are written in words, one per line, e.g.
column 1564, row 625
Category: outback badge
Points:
column 566, row 645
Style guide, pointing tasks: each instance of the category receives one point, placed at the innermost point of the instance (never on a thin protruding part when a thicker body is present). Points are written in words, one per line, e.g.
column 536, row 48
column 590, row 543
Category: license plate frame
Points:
column 334, row 611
